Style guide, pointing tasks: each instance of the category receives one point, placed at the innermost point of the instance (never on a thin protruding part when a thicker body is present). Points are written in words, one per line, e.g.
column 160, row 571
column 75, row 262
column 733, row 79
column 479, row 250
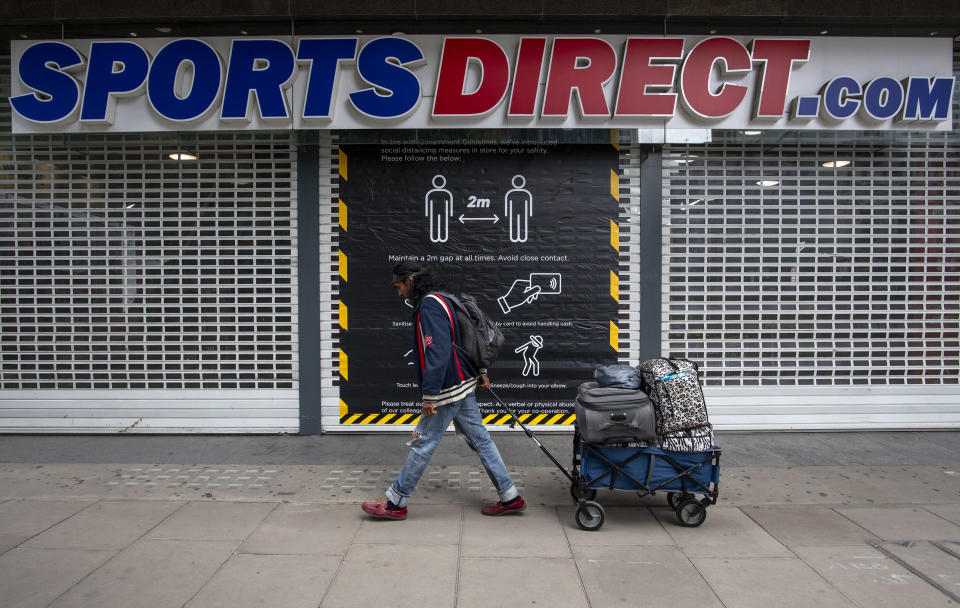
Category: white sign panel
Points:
column 356, row 82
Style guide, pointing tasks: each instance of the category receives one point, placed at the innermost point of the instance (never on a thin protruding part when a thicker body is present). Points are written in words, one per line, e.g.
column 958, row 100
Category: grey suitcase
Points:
column 614, row 415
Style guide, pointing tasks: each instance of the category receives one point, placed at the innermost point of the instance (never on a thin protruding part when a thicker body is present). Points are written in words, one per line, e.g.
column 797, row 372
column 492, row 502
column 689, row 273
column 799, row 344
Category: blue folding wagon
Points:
column 684, row 476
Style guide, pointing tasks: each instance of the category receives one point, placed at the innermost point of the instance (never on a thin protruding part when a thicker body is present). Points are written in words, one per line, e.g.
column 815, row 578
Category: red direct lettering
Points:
column 640, row 73
column 581, row 65
column 526, row 78
column 458, row 53
column 777, row 58
column 695, row 90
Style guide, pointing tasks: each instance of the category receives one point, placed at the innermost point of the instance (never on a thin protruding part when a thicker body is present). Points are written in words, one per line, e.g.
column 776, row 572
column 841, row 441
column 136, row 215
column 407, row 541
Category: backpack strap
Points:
column 446, row 308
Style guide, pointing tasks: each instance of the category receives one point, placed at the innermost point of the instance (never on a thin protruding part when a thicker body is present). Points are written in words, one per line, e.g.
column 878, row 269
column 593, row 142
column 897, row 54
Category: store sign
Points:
column 481, row 82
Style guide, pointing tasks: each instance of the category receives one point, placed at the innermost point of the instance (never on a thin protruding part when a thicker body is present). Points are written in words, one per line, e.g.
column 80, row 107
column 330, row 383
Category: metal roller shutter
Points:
column 149, row 282
column 816, row 293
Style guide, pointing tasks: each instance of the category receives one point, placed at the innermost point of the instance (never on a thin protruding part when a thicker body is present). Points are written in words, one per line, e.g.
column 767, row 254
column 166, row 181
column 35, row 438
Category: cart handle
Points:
column 516, row 420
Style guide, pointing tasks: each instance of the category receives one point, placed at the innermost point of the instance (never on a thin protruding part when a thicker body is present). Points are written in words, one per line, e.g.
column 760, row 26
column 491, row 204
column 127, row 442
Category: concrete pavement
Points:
column 84, row 522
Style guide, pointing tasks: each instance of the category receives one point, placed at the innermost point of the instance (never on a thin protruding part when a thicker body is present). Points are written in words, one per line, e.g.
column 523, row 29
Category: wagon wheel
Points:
column 582, row 492
column 675, row 498
column 690, row 512
column 589, row 515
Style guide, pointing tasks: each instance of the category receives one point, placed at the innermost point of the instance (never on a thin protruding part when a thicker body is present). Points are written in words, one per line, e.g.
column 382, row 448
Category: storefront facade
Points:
column 198, row 227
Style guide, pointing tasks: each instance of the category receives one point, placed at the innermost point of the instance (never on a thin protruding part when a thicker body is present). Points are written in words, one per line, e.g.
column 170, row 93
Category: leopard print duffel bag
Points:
column 674, row 387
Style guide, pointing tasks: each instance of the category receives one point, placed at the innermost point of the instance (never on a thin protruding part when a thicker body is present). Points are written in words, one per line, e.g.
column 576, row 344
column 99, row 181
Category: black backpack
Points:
column 480, row 338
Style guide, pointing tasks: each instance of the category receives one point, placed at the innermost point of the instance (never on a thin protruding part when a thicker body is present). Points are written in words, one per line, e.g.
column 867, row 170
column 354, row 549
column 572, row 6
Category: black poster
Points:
column 525, row 228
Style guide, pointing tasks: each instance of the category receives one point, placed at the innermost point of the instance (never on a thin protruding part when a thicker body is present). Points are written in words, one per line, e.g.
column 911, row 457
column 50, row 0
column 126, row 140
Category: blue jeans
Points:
column 468, row 422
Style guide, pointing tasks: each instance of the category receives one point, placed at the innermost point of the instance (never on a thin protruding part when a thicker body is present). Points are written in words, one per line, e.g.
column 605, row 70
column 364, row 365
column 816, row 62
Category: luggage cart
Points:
column 645, row 470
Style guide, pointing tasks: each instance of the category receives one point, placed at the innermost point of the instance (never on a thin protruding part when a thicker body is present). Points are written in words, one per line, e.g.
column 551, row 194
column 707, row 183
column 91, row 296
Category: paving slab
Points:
column 629, row 576
column 398, row 576
column 521, row 582
column 796, row 485
column 277, row 581
column 9, row 541
column 534, row 533
column 150, row 574
column 910, row 485
column 938, row 563
column 64, row 481
column 761, row 583
column 950, row 512
column 424, row 525
column 870, row 578
column 902, row 523
column 305, row 530
column 634, row 526
column 107, row 524
column 32, row 578
column 213, row 521
column 31, row 517
column 726, row 532
column 796, row 525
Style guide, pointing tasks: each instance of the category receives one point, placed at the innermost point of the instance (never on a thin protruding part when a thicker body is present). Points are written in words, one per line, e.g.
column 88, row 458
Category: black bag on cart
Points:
column 614, row 415
column 674, row 388
column 697, row 439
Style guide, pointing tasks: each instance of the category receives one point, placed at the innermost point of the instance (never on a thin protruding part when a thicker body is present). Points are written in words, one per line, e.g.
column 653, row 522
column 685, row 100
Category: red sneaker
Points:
column 378, row 510
column 501, row 509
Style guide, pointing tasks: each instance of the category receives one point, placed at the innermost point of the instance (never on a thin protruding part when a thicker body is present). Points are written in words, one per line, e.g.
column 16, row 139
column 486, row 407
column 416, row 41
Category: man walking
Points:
column 448, row 383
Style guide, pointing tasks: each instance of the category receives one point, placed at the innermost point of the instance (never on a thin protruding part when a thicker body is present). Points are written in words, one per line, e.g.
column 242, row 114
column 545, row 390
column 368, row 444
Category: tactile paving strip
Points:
column 346, row 480
column 200, row 478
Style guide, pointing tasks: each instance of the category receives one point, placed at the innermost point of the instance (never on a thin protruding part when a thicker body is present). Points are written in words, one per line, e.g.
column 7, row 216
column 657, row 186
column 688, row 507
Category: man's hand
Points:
column 429, row 409
column 484, row 381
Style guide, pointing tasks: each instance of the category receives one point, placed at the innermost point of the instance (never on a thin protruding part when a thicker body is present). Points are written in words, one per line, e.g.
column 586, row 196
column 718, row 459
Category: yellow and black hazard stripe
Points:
column 343, row 314
column 615, row 243
column 559, row 419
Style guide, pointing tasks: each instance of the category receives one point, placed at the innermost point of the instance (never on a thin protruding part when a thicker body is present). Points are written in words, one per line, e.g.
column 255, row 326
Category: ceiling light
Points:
column 768, row 182
column 753, row 132
column 182, row 156
column 163, row 29
column 836, row 164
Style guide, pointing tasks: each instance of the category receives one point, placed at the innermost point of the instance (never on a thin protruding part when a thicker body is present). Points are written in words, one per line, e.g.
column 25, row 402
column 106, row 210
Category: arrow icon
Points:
column 494, row 219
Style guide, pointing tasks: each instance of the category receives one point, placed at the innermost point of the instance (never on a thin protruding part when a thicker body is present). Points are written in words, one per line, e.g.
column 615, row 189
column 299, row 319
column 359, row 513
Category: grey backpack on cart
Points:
column 614, row 415
column 674, row 388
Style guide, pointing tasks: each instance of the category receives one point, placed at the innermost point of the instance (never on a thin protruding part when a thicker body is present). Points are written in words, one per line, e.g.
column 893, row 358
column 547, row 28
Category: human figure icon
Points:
column 518, row 209
column 528, row 351
column 439, row 209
